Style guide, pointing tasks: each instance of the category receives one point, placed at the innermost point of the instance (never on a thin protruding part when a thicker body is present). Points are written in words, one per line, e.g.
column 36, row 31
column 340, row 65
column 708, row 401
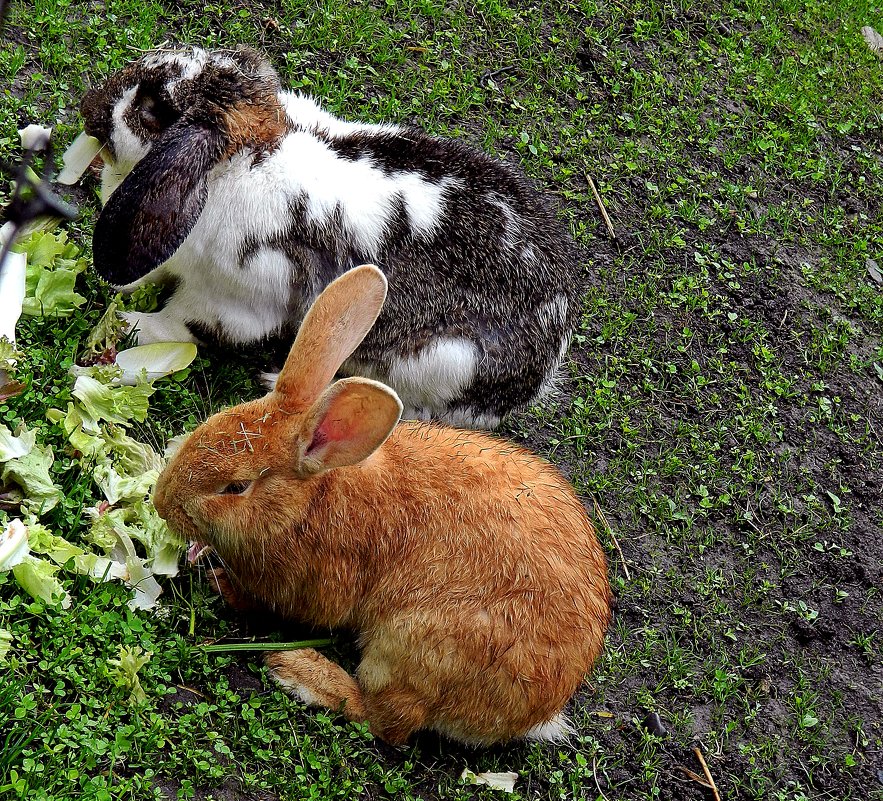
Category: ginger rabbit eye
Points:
column 235, row 488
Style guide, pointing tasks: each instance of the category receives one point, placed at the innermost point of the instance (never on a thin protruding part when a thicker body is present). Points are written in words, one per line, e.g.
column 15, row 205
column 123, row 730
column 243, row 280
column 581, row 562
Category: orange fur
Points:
column 466, row 564
column 257, row 121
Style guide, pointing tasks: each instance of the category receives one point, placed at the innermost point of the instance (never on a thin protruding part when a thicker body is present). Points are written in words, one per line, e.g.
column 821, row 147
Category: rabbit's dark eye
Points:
column 234, row 488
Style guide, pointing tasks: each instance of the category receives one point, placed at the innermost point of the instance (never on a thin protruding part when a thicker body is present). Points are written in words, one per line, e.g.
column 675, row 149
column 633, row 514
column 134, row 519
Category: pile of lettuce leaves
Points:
column 122, row 537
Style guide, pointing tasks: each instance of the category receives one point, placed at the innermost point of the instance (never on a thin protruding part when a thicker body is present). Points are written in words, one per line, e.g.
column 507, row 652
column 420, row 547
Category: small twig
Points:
column 694, row 776
column 600, row 514
column 488, row 75
column 707, row 772
column 190, row 690
column 601, row 208
column 595, row 777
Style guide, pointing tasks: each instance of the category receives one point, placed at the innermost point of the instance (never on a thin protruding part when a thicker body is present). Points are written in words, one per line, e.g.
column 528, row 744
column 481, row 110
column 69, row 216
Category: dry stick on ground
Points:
column 693, row 776
column 601, row 208
column 600, row 514
column 707, row 772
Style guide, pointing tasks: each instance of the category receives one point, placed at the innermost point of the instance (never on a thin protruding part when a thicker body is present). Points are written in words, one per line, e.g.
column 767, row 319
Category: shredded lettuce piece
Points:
column 37, row 578
column 499, row 781
column 5, row 644
column 125, row 488
column 58, row 549
column 139, row 576
column 109, row 330
column 132, row 455
column 139, row 522
column 113, row 404
column 14, row 545
column 14, row 447
column 31, row 473
column 52, row 269
column 9, row 356
column 124, row 671
column 150, row 362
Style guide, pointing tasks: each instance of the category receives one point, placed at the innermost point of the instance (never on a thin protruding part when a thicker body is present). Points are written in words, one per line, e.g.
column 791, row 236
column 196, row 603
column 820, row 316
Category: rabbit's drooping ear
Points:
column 350, row 420
column 149, row 215
column 333, row 328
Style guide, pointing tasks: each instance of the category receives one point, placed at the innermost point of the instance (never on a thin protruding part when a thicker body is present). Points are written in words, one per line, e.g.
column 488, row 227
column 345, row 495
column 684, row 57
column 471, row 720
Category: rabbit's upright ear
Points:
column 348, row 422
column 151, row 212
column 334, row 326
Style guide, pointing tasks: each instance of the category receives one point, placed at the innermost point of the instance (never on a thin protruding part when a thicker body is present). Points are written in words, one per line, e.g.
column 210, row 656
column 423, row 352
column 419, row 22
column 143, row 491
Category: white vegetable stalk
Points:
column 13, row 545
column 12, row 286
column 77, row 158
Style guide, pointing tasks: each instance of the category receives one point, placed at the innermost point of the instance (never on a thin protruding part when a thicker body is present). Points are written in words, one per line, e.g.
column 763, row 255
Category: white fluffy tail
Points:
column 269, row 380
column 555, row 730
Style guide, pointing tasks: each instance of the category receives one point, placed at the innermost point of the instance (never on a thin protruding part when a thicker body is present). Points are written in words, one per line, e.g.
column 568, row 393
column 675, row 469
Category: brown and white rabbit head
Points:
column 166, row 121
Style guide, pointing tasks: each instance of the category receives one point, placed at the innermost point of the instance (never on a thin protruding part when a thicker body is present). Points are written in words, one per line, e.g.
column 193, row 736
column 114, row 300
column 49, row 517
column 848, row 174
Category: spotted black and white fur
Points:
column 248, row 200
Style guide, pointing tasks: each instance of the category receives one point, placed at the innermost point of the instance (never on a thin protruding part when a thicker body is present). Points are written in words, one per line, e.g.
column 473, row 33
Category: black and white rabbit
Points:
column 249, row 200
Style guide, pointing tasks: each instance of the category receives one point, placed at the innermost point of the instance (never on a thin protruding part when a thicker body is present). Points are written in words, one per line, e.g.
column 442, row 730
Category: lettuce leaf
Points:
column 125, row 488
column 98, row 401
column 37, row 578
column 5, row 644
column 109, row 330
column 14, row 447
column 31, row 473
column 14, row 544
column 139, row 523
column 52, row 269
column 139, row 576
column 124, row 672
column 150, row 362
column 58, row 549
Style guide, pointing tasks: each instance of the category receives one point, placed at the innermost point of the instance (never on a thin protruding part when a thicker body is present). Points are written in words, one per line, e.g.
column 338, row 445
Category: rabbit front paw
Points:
column 235, row 597
column 150, row 327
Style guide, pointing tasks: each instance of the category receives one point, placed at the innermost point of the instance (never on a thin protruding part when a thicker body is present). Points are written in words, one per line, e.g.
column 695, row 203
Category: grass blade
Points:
column 265, row 646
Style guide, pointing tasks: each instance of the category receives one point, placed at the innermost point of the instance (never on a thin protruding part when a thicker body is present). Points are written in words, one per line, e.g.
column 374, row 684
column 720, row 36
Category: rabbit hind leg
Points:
column 394, row 708
column 394, row 714
column 317, row 681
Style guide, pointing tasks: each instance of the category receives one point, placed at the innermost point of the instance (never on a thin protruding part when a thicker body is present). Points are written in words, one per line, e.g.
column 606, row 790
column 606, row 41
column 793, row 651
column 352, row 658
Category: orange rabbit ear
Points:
column 333, row 328
column 349, row 421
